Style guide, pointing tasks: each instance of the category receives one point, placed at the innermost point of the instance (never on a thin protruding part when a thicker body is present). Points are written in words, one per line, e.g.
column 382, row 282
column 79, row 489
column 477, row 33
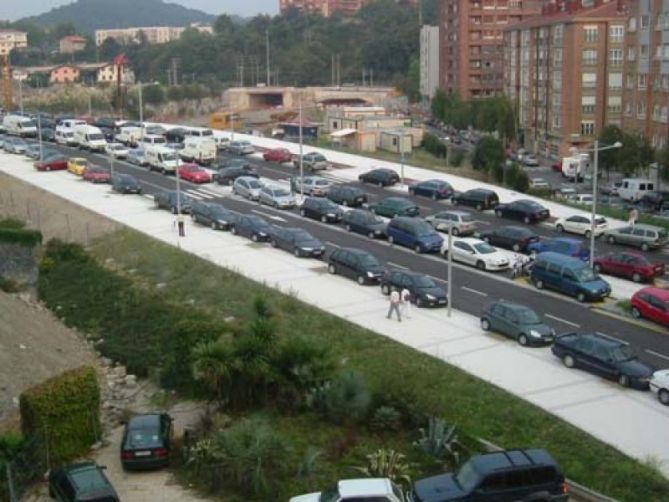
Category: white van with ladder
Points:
column 89, row 137
column 19, row 125
column 633, row 189
column 163, row 159
column 200, row 149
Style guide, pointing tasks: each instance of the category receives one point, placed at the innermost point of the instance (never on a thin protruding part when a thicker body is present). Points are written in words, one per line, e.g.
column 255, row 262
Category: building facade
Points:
column 471, row 45
column 326, row 7
column 153, row 34
column 12, row 39
column 429, row 61
column 71, row 44
column 646, row 92
column 564, row 70
column 64, row 74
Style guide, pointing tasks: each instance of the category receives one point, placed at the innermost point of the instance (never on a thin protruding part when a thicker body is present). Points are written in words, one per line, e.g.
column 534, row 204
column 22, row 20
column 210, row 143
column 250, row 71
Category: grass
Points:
column 401, row 374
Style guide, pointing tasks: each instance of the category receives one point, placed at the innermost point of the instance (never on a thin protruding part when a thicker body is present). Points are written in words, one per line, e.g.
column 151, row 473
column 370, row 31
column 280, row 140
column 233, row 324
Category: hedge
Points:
column 65, row 412
column 19, row 236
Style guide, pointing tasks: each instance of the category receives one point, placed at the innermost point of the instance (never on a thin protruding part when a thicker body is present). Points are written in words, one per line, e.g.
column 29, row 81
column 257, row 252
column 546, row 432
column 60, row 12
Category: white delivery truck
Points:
column 89, row 137
column 575, row 167
column 633, row 189
column 199, row 149
column 202, row 132
column 163, row 159
column 153, row 139
column 18, row 125
column 130, row 135
column 65, row 131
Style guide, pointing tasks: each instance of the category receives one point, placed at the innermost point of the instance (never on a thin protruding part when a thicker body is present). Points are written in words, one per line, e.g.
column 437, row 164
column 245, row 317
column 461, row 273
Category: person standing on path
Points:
column 405, row 297
column 181, row 224
column 395, row 302
column 634, row 215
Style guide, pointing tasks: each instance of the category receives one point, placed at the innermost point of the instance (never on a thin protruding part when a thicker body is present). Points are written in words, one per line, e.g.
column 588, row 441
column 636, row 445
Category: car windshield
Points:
column 585, row 274
column 318, row 157
column 467, row 477
column 143, row 438
column 95, row 137
column 466, row 218
column 532, row 205
column 207, row 132
column 253, row 183
column 28, row 123
column 88, row 478
column 167, row 157
column 368, row 260
column 528, row 316
column 281, row 192
column 302, row 236
column 118, row 147
column 423, row 281
column 97, row 170
column 622, row 353
column 484, row 248
column 423, row 229
column 600, row 221
column 329, row 495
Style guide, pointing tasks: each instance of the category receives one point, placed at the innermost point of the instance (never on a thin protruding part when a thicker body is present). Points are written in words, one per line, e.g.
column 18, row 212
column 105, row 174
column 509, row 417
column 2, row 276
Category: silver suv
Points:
column 643, row 236
column 463, row 222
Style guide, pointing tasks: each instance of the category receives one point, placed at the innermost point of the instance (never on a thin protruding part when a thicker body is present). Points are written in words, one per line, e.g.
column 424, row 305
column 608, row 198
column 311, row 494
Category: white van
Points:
column 200, row 132
column 65, row 131
column 576, row 166
column 89, row 137
column 633, row 189
column 199, row 149
column 163, row 159
column 153, row 139
column 130, row 135
column 18, row 125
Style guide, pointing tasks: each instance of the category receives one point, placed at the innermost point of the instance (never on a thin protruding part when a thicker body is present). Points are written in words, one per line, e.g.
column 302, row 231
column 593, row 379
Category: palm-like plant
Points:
column 387, row 464
column 440, row 440
column 213, row 366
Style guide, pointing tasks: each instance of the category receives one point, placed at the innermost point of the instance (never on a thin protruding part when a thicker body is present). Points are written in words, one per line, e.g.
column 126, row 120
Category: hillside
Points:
column 90, row 15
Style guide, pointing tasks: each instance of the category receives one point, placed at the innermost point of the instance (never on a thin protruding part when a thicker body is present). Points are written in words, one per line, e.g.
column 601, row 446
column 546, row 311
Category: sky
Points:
column 16, row 9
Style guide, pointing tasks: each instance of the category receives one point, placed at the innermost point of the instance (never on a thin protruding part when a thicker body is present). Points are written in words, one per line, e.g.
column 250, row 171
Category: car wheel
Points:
column 418, row 249
column 611, row 239
column 485, row 324
column 498, row 213
column 587, row 234
column 539, row 284
column 624, row 380
column 644, row 246
column 390, row 239
column 361, row 280
column 559, row 228
column 663, row 396
column 527, row 220
column 580, row 296
column 636, row 277
column 233, row 230
column 434, row 196
column 254, row 237
column 324, row 219
column 332, row 269
column 456, row 232
column 568, row 361
column 636, row 313
column 385, row 289
column 522, row 339
column 344, row 203
column 347, row 227
column 47, row 168
column 479, row 207
column 480, row 265
column 303, row 212
column 597, row 268
column 371, row 235
column 516, row 247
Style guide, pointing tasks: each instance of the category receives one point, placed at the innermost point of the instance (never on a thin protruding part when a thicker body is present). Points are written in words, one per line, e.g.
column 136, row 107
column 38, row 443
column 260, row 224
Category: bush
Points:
column 65, row 411
column 435, row 146
column 521, row 182
column 387, row 464
column 9, row 286
column 12, row 223
column 346, row 398
column 386, row 418
column 457, row 158
column 20, row 236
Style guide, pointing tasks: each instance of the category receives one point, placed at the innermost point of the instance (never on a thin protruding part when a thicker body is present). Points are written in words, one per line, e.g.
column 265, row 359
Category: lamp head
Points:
column 617, row 144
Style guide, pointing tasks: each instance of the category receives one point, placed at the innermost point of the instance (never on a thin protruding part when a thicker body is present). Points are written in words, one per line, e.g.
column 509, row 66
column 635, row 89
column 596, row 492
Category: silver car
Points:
column 277, row 197
column 463, row 222
column 15, row 145
column 241, row 148
column 643, row 236
column 137, row 156
column 247, row 187
column 313, row 185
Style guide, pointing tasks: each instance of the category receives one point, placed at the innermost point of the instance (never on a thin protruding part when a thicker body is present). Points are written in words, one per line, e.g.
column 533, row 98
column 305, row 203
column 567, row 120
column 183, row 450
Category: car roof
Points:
column 517, row 228
column 145, row 420
column 602, row 338
column 364, row 487
column 472, row 241
column 512, row 458
column 512, row 306
column 661, row 293
column 644, row 226
column 559, row 258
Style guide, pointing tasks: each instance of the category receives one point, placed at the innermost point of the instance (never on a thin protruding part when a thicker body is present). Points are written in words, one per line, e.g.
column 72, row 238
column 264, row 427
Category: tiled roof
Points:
column 604, row 11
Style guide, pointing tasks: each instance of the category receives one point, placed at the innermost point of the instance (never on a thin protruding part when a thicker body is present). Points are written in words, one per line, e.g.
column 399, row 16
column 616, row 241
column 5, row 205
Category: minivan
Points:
column 356, row 264
column 480, row 198
column 414, row 233
column 635, row 188
column 568, row 275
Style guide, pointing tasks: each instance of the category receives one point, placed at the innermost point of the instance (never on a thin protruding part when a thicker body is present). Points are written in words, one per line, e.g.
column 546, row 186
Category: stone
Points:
column 120, row 371
column 130, row 381
column 105, row 362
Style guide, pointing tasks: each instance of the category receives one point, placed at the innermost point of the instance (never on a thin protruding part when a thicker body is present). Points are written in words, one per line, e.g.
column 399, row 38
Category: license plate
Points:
column 142, row 453
column 442, row 302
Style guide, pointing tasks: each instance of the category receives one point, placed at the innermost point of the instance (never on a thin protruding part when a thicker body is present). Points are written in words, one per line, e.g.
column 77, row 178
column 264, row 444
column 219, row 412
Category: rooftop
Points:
column 607, row 10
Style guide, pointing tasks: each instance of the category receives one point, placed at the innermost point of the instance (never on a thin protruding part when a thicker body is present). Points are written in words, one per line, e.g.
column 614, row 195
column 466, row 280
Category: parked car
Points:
column 500, row 476
column 382, row 177
column 241, row 148
column 356, row 264
column 394, row 206
column 611, row 188
column 659, row 384
column 117, row 150
column 480, row 198
column 539, row 184
column 526, row 210
column 364, row 222
column 414, row 233
column 247, row 186
column 518, row 322
column 277, row 197
column 314, row 186
column 137, row 156
column 367, row 489
column 530, row 160
column 562, row 245
column 463, row 222
column 242, row 163
column 582, row 225
column 15, row 145
column 604, row 356
column 651, row 303
column 297, row 241
column 321, row 209
column 96, row 174
column 633, row 266
column 511, row 237
column 569, row 276
column 125, row 183
column 435, row 189
column 643, row 236
column 84, row 481
column 77, row 165
column 147, row 441
column 55, row 162
column 168, row 200
column 477, row 253
column 32, row 151
column 47, row 134
column 193, row 173
column 313, row 161
column 176, row 135
column 279, row 155
column 253, row 227
column 655, row 200
column 214, row 215
column 424, row 291
column 227, row 175
column 583, row 199
column 565, row 193
column 346, row 195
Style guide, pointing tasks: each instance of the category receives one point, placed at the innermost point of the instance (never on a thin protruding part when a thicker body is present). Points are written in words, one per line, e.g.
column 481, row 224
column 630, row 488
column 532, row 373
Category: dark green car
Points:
column 394, row 206
column 518, row 322
column 81, row 482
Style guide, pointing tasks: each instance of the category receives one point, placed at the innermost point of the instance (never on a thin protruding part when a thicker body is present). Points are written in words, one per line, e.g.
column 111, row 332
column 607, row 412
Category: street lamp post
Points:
column 301, row 146
column 39, row 137
column 449, row 293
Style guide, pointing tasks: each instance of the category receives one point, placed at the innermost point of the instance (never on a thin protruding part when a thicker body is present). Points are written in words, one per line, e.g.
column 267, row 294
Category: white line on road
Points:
column 210, row 191
column 476, row 292
column 559, row 319
column 271, row 216
column 196, row 194
column 657, row 354
column 395, row 265
column 332, row 244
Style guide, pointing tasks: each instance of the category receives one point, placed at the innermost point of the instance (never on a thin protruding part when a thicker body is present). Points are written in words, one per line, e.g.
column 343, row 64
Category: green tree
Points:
column 610, row 159
column 488, row 154
column 662, row 158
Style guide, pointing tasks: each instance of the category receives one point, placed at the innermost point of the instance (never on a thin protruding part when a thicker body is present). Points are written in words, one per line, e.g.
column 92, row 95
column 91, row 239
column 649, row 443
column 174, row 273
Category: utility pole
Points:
column 332, row 68
column 90, row 105
column 267, row 54
column 338, row 70
column 371, row 77
column 141, row 110
column 299, row 104
column 39, row 136
column 363, row 77
column 21, row 95
column 449, row 293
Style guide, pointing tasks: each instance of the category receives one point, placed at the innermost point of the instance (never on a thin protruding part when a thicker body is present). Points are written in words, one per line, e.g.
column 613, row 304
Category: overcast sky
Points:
column 16, row 9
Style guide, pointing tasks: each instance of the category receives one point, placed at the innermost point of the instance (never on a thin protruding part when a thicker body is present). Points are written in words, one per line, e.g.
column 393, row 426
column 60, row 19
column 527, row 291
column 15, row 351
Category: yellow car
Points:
column 77, row 165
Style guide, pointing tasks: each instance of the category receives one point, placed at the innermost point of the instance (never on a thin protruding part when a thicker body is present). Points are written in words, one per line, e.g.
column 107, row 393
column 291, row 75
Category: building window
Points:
column 628, row 109
column 644, row 22
column 643, row 81
column 614, row 104
column 631, row 54
column 630, row 81
column 616, row 57
column 656, row 112
column 632, row 24
column 587, row 128
column 643, row 51
column 616, row 33
column 664, row 114
column 615, row 80
column 641, row 110
column 556, row 121
column 589, row 80
column 589, row 57
column 590, row 34
column 665, row 82
column 588, row 104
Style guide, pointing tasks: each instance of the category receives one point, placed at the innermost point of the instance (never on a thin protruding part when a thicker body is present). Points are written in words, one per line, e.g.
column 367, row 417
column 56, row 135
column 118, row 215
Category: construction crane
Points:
column 6, row 82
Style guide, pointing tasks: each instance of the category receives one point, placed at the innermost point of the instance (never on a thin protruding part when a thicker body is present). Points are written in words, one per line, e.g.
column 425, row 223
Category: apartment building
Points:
column 429, row 61
column 327, row 7
column 71, row 44
column 12, row 39
column 472, row 43
column 646, row 92
column 564, row 70
column 153, row 34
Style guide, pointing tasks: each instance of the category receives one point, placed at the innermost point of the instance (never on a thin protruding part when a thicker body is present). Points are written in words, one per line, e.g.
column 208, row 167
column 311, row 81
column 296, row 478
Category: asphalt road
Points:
column 472, row 289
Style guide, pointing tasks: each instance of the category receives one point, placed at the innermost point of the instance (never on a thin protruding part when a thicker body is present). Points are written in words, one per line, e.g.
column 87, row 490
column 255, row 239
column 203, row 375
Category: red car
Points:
column 279, row 155
column 631, row 265
column 651, row 303
column 194, row 174
column 96, row 174
column 54, row 163
column 557, row 167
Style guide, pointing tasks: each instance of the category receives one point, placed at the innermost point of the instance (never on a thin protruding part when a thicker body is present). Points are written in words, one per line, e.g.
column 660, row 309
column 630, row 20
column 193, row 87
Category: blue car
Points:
column 415, row 234
column 137, row 156
column 561, row 245
column 569, row 276
column 253, row 227
column 435, row 189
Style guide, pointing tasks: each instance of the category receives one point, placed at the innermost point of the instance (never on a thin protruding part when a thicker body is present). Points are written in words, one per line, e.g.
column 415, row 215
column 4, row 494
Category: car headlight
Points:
column 431, row 297
column 535, row 333
column 262, row 234
column 370, row 274
column 223, row 222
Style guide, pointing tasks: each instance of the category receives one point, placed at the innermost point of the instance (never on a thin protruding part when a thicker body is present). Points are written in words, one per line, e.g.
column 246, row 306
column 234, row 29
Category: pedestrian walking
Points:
column 405, row 297
column 633, row 217
column 395, row 302
column 181, row 224
column 516, row 267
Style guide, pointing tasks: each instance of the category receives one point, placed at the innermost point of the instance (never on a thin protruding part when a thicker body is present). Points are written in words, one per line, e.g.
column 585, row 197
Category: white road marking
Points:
column 395, row 265
column 195, row 196
column 657, row 354
column 476, row 292
column 559, row 319
column 209, row 191
column 201, row 195
column 149, row 196
column 271, row 216
column 332, row 244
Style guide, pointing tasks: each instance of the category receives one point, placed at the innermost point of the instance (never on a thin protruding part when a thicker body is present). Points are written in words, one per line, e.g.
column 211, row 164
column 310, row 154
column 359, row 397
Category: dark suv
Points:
column 503, row 476
column 173, row 201
column 321, row 209
column 214, row 215
column 347, row 195
column 77, row 482
column 356, row 264
column 424, row 292
column 480, row 198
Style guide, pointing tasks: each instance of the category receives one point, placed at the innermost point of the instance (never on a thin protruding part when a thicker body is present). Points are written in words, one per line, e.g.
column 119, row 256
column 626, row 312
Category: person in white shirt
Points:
column 405, row 297
column 395, row 302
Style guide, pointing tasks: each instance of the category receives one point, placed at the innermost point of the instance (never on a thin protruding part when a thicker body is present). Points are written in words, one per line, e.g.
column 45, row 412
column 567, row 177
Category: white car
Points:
column 659, row 383
column 117, row 150
column 581, row 225
column 376, row 489
column 585, row 199
column 477, row 253
column 539, row 183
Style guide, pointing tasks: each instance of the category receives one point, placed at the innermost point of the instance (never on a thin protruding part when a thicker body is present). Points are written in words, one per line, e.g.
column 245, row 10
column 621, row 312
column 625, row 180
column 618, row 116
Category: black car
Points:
column 168, row 200
column 435, row 189
column 653, row 201
column 382, row 177
column 214, row 215
column 176, row 135
column 347, row 195
column 296, row 240
column 147, row 441
column 501, row 476
column 424, row 291
column 47, row 134
column 78, row 482
column 125, row 183
column 510, row 237
column 355, row 264
column 480, row 198
column 526, row 210
column 227, row 175
column 364, row 222
column 105, row 122
column 321, row 209
column 603, row 356
column 243, row 163
column 253, row 227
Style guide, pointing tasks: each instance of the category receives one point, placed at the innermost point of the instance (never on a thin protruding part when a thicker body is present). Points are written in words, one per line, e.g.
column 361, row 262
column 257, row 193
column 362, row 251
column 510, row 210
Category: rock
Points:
column 105, row 362
column 22, row 347
column 230, row 319
column 161, row 285
column 130, row 381
column 120, row 371
column 97, row 445
column 15, row 401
